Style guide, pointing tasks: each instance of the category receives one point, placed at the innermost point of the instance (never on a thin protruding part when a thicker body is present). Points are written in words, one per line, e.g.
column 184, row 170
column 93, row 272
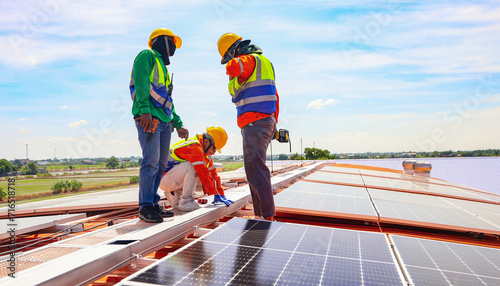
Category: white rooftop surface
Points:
column 28, row 224
column 98, row 198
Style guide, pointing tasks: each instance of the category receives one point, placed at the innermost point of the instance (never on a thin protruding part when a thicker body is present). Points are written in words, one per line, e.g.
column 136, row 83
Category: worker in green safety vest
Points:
column 155, row 117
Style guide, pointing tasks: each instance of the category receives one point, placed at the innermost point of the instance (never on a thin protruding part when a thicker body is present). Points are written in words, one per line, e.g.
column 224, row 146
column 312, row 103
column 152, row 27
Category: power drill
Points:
column 152, row 130
column 283, row 136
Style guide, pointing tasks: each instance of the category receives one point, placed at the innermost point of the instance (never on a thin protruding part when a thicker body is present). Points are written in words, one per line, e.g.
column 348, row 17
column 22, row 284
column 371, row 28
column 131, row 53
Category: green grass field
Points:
column 231, row 166
column 27, row 186
column 66, row 167
column 89, row 180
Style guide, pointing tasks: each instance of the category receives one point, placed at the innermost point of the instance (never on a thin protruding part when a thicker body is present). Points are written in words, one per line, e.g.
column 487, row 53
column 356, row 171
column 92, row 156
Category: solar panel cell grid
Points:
column 268, row 253
column 336, row 178
column 340, row 169
column 341, row 271
column 326, row 198
column 449, row 191
column 431, row 262
column 391, row 184
column 319, row 188
column 428, row 209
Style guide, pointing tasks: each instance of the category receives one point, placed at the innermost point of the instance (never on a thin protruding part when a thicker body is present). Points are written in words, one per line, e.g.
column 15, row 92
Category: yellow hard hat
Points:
column 219, row 136
column 165, row 32
column 226, row 41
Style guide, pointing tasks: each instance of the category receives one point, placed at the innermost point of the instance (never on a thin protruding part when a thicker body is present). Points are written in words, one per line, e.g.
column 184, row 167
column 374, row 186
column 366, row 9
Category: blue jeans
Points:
column 154, row 160
column 256, row 138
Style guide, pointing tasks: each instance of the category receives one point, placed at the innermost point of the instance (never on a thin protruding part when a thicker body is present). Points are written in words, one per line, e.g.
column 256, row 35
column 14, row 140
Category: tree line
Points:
column 320, row 154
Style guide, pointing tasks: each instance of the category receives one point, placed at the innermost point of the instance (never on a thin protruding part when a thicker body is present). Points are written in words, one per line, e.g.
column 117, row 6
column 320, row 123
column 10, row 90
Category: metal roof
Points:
column 383, row 210
column 478, row 172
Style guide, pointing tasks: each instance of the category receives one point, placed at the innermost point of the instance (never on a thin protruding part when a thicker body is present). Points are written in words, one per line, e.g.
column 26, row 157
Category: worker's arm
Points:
column 241, row 67
column 143, row 64
column 216, row 177
column 194, row 154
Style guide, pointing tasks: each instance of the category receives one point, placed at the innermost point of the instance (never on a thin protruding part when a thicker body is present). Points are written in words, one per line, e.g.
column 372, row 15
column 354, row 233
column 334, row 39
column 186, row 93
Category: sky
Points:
column 353, row 76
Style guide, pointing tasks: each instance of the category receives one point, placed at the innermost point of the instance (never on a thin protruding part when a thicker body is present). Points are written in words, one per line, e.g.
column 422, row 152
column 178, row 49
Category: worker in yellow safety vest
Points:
column 253, row 91
column 190, row 167
column 155, row 117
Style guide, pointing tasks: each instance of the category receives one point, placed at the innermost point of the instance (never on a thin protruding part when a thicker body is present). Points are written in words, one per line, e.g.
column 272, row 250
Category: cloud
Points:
column 23, row 119
column 77, row 123
column 318, row 103
column 64, row 107
column 22, row 131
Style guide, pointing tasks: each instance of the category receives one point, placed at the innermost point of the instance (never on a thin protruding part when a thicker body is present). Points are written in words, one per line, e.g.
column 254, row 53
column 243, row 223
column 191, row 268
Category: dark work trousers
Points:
column 256, row 138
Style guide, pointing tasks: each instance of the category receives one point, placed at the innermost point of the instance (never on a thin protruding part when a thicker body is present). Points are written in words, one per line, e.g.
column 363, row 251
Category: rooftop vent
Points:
column 408, row 166
column 422, row 169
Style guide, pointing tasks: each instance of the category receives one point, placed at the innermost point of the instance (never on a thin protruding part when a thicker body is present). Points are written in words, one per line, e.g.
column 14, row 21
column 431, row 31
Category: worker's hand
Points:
column 224, row 197
column 220, row 199
column 146, row 121
column 183, row 132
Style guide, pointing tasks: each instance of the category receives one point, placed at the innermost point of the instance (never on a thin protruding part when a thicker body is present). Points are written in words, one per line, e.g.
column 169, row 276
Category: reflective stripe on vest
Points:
column 184, row 143
column 158, row 89
column 258, row 93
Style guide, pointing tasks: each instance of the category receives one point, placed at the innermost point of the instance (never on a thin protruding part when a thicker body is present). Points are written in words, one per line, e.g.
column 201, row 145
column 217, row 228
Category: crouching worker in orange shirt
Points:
column 189, row 165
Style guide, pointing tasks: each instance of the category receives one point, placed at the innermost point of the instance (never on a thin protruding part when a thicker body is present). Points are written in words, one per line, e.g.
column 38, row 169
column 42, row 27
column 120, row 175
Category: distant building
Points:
column 25, row 161
column 88, row 162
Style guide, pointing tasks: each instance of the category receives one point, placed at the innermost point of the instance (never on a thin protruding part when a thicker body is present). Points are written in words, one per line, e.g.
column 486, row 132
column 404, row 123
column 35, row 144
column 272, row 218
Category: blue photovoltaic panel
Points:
column 336, row 178
column 430, row 262
column 425, row 208
column 325, row 198
column 390, row 183
column 274, row 253
column 487, row 212
column 451, row 191
column 340, row 170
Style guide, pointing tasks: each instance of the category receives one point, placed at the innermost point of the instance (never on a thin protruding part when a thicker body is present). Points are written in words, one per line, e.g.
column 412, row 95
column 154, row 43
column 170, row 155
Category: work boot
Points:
column 172, row 199
column 163, row 212
column 188, row 206
column 148, row 214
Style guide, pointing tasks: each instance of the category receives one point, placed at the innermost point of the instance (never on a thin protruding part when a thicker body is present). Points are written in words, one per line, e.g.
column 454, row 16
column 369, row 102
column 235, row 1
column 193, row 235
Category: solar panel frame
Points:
column 326, row 199
column 487, row 212
column 430, row 262
column 257, row 260
column 337, row 178
column 430, row 211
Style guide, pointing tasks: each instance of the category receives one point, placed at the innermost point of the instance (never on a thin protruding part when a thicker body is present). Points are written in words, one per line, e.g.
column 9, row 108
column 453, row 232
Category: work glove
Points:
column 221, row 199
column 224, row 197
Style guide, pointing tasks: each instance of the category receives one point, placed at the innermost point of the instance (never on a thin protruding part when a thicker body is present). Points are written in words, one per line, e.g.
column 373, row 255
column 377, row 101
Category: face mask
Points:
column 165, row 47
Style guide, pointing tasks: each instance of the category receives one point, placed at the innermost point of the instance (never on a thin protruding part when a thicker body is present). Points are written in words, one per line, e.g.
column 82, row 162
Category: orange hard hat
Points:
column 165, row 32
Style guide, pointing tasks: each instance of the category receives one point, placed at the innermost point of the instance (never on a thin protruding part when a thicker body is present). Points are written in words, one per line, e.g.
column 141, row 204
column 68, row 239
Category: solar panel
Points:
column 336, row 178
column 425, row 209
column 450, row 191
column 250, row 252
column 488, row 212
column 391, row 184
column 325, row 198
column 340, row 169
column 430, row 262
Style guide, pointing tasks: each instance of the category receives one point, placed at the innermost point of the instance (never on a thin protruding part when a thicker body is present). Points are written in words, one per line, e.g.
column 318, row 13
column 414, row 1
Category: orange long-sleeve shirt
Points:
column 209, row 178
column 242, row 67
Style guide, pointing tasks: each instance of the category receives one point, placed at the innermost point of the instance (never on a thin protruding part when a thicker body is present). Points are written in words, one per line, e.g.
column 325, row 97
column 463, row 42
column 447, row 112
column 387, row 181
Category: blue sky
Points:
column 368, row 76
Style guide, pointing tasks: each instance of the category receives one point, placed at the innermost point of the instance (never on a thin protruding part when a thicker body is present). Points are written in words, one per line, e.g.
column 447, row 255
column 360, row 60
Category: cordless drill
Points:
column 152, row 130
